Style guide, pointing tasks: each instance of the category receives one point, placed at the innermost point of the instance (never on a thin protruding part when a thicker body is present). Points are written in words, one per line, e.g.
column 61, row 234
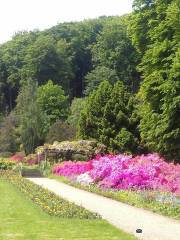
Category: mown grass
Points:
column 129, row 197
column 22, row 220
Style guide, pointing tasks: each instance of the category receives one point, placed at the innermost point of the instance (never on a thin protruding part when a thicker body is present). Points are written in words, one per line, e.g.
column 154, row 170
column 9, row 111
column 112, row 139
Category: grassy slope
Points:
column 22, row 220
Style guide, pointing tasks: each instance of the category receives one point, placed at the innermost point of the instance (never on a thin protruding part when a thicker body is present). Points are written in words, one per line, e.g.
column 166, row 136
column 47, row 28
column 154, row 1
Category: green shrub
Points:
column 80, row 157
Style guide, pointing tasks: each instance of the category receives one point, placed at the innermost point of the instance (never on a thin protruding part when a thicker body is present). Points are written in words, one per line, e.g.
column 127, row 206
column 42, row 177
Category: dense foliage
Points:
column 52, row 101
column 60, row 131
column 97, row 76
column 9, row 138
column 114, row 50
column 156, row 35
column 76, row 107
column 109, row 116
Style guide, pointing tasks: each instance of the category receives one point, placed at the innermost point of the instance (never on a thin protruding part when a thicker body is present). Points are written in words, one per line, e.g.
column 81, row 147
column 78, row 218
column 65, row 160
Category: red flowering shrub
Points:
column 18, row 157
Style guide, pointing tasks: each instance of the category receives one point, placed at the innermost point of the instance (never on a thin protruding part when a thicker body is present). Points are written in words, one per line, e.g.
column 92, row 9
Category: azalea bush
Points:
column 143, row 172
column 18, row 157
column 31, row 159
column 70, row 168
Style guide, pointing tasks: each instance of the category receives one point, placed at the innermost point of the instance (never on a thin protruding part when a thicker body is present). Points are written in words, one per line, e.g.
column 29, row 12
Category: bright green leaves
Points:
column 52, row 101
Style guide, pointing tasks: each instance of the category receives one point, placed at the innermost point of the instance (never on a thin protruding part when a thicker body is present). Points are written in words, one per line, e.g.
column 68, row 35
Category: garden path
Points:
column 123, row 216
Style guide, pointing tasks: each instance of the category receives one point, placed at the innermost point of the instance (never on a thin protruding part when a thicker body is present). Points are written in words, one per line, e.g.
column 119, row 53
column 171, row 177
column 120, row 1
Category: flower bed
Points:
column 124, row 172
column 166, row 204
column 48, row 201
column 6, row 164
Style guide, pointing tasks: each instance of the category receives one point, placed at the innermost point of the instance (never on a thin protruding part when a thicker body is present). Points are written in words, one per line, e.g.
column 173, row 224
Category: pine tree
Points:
column 109, row 117
column 118, row 128
column 92, row 114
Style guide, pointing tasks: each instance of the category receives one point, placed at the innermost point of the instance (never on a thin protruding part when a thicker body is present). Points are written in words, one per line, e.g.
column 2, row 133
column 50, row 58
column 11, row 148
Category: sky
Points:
column 19, row 15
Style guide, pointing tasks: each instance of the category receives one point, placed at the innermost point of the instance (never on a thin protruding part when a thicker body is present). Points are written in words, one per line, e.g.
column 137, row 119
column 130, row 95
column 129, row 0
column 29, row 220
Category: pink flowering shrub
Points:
column 19, row 157
column 31, row 159
column 69, row 168
column 141, row 172
column 126, row 172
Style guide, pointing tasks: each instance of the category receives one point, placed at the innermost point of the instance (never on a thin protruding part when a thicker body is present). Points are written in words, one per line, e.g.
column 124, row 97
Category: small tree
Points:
column 109, row 116
column 8, row 134
column 76, row 106
column 118, row 126
column 52, row 101
column 92, row 114
column 30, row 118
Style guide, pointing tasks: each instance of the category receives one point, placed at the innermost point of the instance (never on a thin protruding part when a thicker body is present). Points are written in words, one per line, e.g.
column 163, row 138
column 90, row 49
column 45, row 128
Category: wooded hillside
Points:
column 116, row 79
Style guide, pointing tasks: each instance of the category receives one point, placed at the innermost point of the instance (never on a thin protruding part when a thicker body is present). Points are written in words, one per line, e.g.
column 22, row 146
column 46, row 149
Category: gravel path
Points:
column 125, row 217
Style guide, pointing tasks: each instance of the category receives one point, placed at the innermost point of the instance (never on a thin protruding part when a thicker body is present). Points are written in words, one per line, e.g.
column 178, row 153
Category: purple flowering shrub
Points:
column 149, row 172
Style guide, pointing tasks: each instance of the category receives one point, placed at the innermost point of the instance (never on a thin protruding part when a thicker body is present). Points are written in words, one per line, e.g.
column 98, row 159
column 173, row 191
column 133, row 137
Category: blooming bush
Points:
column 70, row 168
column 31, row 159
column 19, row 157
column 149, row 172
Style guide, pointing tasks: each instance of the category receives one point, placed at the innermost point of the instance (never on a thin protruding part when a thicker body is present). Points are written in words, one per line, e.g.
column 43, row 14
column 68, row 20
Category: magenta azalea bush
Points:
column 126, row 172
column 70, row 168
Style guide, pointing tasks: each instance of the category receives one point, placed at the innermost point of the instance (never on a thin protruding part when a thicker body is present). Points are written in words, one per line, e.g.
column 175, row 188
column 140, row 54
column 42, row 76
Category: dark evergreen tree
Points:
column 109, row 116
column 118, row 128
column 92, row 114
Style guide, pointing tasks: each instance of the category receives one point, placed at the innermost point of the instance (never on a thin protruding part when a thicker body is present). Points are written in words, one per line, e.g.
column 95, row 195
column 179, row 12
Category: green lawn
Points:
column 20, row 219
